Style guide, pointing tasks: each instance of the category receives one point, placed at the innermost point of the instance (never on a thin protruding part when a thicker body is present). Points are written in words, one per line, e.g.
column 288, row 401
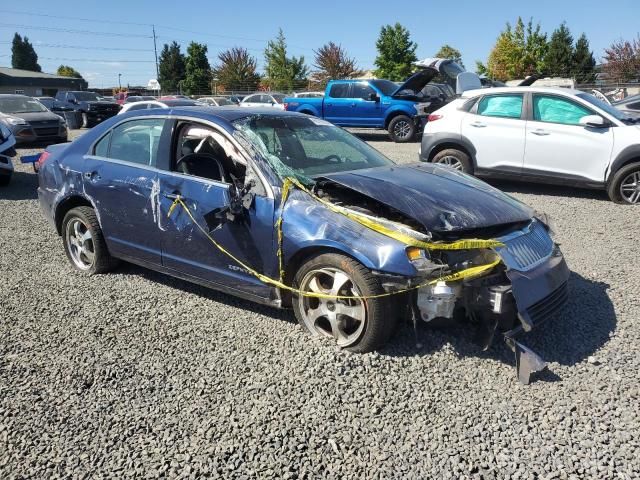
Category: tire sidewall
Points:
column 96, row 234
column 392, row 125
column 613, row 189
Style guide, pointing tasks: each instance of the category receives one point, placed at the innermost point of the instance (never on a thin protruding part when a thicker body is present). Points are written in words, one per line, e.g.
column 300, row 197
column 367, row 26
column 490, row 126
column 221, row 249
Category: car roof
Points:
column 488, row 91
column 223, row 115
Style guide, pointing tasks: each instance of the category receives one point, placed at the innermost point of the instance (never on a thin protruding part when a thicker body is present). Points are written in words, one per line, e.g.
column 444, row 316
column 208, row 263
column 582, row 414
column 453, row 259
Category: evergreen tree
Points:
column 332, row 62
column 237, row 70
column 23, row 55
column 559, row 58
column 67, row 71
column 197, row 79
column 171, row 68
column 583, row 63
column 447, row 51
column 396, row 53
column 283, row 73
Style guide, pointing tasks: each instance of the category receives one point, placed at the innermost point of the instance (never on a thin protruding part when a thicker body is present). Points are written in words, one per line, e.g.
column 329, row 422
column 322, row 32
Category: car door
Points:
column 121, row 179
column 366, row 111
column 337, row 104
column 206, row 189
column 495, row 126
column 559, row 147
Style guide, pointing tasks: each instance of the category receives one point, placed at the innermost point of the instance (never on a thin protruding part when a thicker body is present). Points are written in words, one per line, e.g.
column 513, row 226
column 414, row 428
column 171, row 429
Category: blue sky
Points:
column 109, row 46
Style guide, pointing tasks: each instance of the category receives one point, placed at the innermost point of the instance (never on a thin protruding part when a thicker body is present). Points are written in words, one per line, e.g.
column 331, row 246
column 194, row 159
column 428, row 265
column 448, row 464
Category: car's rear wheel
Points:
column 624, row 187
column 402, row 129
column 454, row 158
column 358, row 325
column 84, row 242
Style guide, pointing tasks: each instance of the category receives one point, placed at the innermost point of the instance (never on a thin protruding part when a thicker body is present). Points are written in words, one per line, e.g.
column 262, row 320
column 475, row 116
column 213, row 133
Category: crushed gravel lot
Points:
column 138, row 374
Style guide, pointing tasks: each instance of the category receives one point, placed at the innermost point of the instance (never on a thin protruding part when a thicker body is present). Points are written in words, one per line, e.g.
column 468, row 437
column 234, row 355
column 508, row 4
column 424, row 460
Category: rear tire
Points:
column 356, row 325
column 454, row 158
column 624, row 187
column 84, row 243
column 402, row 129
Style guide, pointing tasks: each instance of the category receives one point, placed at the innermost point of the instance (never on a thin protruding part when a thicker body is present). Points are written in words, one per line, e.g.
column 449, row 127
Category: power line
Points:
column 93, row 60
column 80, row 47
column 13, row 26
column 101, row 20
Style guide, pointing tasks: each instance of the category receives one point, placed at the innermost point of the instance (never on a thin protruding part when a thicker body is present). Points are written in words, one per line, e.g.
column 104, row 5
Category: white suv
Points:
column 547, row 135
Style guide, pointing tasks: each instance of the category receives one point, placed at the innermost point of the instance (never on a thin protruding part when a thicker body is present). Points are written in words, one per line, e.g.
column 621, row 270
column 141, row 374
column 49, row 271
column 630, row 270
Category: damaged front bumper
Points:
column 523, row 292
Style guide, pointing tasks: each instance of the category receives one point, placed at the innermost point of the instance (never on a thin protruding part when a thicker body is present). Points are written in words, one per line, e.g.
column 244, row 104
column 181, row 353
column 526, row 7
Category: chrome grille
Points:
column 527, row 248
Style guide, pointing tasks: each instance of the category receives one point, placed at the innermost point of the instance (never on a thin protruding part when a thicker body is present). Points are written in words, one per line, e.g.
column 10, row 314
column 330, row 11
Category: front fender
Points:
column 402, row 109
column 310, row 224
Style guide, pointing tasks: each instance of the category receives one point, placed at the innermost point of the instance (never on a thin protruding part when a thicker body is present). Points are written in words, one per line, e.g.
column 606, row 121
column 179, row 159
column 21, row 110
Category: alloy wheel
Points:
column 630, row 188
column 80, row 244
column 344, row 320
column 402, row 129
column 450, row 161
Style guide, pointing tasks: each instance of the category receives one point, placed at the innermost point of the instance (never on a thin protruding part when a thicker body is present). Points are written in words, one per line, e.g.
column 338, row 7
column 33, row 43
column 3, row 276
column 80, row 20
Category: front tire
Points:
column 84, row 242
column 402, row 129
column 454, row 158
column 624, row 187
column 357, row 325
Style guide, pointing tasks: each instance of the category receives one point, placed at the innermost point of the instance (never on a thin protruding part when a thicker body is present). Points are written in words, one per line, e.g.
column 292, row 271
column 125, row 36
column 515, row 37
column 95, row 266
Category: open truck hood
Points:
column 440, row 198
column 415, row 83
column 452, row 73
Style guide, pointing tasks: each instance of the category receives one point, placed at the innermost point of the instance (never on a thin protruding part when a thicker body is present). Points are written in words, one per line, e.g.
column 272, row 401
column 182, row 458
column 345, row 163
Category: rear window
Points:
column 507, row 106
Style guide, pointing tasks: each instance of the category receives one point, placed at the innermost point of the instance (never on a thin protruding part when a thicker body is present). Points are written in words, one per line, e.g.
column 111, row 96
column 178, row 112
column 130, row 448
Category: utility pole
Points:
column 155, row 50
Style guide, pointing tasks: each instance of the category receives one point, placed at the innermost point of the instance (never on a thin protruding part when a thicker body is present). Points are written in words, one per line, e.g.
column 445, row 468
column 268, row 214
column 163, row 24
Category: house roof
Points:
column 17, row 73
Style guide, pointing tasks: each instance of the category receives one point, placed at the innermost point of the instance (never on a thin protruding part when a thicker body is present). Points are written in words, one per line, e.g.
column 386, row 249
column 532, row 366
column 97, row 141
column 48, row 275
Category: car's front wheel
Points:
column 84, row 242
column 454, row 158
column 356, row 324
column 402, row 129
column 624, row 187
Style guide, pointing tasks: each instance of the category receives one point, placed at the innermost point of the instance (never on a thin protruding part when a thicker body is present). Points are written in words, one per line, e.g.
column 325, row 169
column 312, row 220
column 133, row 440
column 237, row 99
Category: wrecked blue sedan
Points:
column 288, row 210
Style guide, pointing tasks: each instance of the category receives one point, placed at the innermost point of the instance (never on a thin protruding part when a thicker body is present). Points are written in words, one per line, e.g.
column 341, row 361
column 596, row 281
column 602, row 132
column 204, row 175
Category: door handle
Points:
column 173, row 196
column 540, row 132
column 478, row 124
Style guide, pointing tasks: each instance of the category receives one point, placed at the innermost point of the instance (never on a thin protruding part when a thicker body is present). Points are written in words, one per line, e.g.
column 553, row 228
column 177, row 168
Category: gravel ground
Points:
column 138, row 374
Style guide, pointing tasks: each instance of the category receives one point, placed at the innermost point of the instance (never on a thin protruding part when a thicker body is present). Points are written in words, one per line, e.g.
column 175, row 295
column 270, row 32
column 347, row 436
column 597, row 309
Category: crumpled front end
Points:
column 525, row 289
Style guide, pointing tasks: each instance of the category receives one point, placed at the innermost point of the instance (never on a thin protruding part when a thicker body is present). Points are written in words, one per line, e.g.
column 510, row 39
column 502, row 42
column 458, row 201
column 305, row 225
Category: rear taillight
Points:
column 40, row 162
column 433, row 117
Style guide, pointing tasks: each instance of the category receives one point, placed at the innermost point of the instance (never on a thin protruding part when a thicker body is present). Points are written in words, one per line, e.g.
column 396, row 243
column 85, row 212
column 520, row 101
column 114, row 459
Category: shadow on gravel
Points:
column 577, row 331
column 23, row 186
column 548, row 190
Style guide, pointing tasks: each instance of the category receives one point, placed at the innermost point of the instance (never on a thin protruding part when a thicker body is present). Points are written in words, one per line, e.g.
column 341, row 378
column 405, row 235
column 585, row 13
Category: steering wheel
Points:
column 334, row 157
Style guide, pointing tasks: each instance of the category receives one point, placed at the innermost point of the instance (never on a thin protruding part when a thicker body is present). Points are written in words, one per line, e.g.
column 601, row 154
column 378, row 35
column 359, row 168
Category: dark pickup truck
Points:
column 89, row 104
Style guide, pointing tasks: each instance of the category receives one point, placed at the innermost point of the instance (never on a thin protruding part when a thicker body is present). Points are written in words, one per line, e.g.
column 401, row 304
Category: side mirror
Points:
column 373, row 97
column 594, row 121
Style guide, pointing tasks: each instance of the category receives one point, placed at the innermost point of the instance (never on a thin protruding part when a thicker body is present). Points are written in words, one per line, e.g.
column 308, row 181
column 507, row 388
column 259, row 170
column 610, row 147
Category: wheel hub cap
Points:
column 80, row 243
column 630, row 188
column 450, row 161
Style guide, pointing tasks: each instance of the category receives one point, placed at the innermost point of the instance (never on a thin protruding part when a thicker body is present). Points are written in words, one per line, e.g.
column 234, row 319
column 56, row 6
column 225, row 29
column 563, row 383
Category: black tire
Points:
column 85, row 120
column 102, row 261
column 5, row 180
column 379, row 323
column 461, row 157
column 623, row 175
column 402, row 129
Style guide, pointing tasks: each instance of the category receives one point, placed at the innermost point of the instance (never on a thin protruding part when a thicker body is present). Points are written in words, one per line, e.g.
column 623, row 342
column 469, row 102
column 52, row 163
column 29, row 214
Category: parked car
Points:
column 216, row 101
column 138, row 98
column 174, row 97
column 264, row 99
column 365, row 242
column 548, row 135
column 108, row 98
column 437, row 95
column 630, row 106
column 121, row 97
column 400, row 109
column 7, row 150
column 93, row 109
column 53, row 105
column 236, row 98
column 150, row 104
column 30, row 121
column 308, row 94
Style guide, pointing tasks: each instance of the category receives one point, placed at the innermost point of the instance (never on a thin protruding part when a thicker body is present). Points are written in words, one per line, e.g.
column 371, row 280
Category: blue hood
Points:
column 441, row 199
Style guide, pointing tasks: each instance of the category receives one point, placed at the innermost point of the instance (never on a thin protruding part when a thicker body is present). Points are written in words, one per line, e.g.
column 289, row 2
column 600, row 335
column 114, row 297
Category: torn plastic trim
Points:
column 528, row 362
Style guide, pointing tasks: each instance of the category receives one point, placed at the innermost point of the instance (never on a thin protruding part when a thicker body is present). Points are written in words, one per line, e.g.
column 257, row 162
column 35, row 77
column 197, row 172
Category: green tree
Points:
column 396, row 53
column 23, row 55
column 332, row 62
column 447, row 51
column 623, row 60
column 481, row 68
column 171, row 67
column 559, row 57
column 518, row 52
column 67, row 71
column 197, row 78
column 583, row 63
column 237, row 70
column 281, row 71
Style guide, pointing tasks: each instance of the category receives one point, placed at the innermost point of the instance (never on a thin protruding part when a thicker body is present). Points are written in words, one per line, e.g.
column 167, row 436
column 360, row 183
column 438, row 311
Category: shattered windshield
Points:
column 307, row 147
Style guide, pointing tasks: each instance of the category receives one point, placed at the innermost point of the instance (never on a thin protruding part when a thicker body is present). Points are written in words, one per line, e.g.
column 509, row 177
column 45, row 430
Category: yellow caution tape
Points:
column 463, row 274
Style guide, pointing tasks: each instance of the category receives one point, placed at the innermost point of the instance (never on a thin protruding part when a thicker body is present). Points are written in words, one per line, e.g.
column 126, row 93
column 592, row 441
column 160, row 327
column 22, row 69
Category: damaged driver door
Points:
column 206, row 173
